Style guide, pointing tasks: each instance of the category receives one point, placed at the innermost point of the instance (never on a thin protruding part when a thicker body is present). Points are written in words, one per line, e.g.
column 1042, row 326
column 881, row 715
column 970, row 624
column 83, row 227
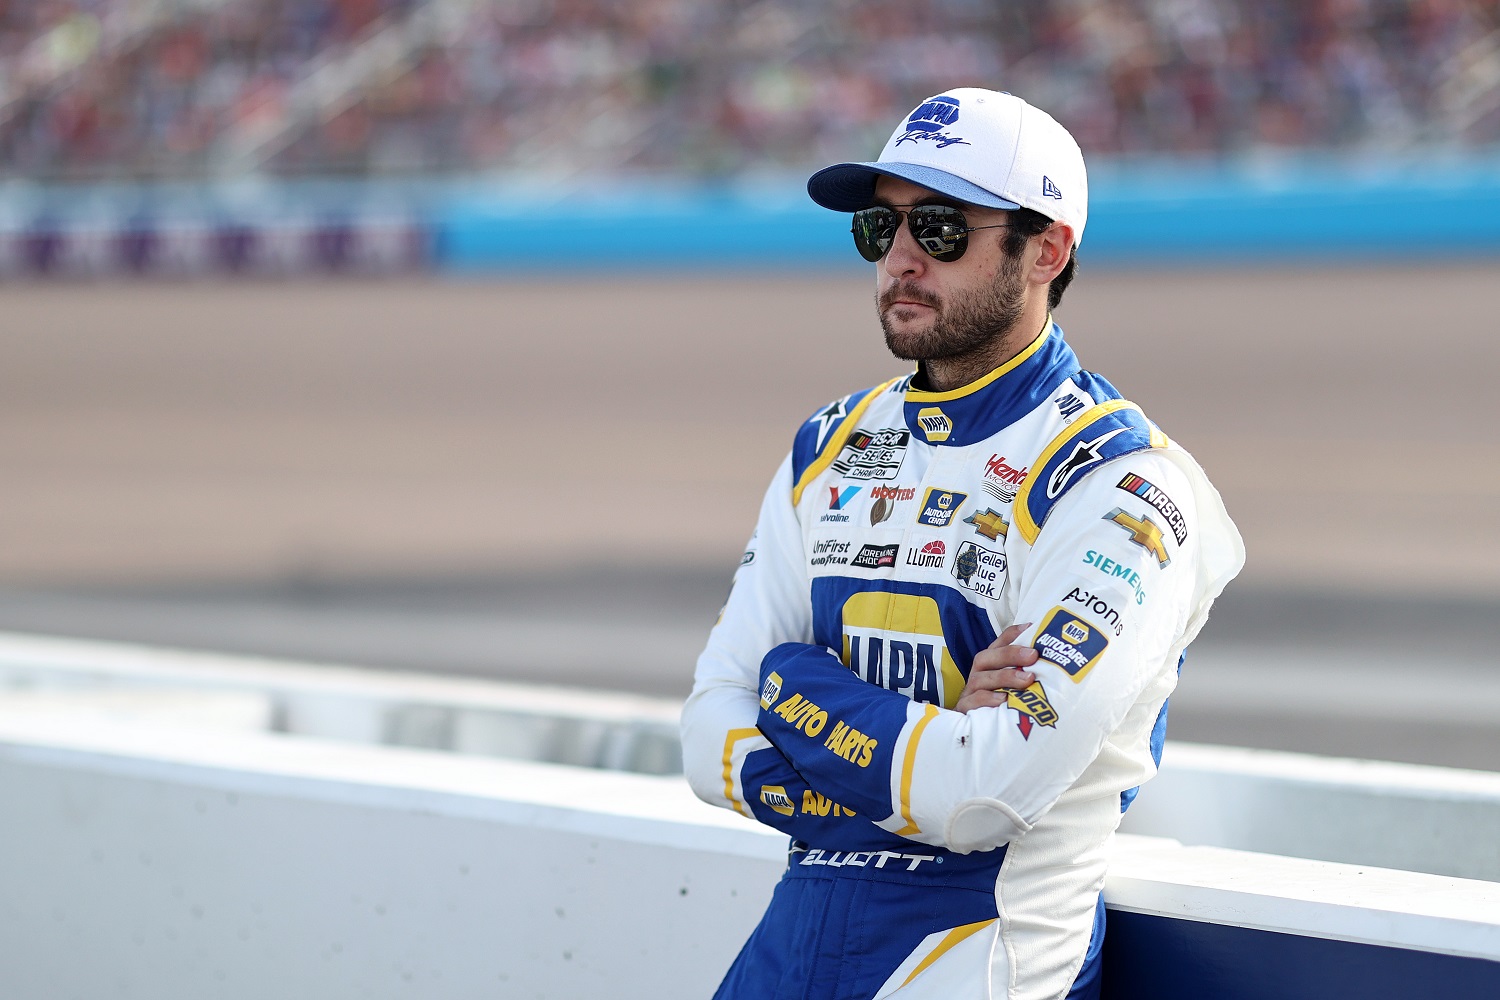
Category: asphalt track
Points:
column 551, row 480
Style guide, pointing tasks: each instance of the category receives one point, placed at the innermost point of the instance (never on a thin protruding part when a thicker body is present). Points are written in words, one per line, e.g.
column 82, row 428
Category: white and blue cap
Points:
column 982, row 147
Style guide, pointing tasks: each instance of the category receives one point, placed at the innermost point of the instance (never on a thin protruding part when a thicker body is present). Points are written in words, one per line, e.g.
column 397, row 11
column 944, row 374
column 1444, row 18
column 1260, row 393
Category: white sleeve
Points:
column 768, row 605
column 1108, row 616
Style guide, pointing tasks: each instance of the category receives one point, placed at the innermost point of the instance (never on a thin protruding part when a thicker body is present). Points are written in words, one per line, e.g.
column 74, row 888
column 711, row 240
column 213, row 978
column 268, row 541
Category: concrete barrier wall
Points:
column 187, row 825
column 178, row 862
column 175, row 864
column 1444, row 821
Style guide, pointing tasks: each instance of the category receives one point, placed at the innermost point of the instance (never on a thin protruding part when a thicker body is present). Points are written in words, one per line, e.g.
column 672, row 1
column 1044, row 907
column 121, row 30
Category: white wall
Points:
column 177, row 864
column 1440, row 820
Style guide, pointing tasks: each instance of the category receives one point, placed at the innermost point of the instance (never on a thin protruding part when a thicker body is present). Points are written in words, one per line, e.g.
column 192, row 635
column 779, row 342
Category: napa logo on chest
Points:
column 895, row 641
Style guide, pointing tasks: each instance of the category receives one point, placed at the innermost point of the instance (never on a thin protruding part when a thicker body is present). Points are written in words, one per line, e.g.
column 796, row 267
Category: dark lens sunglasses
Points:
column 938, row 229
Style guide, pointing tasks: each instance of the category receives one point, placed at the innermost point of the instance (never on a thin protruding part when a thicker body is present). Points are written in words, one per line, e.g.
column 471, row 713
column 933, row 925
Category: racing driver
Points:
column 944, row 666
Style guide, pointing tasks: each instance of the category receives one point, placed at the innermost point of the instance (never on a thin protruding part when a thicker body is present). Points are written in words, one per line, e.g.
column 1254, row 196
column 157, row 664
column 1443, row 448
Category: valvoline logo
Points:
column 929, row 121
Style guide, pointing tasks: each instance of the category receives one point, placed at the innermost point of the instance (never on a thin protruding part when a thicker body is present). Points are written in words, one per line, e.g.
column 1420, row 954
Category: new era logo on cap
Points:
column 1049, row 190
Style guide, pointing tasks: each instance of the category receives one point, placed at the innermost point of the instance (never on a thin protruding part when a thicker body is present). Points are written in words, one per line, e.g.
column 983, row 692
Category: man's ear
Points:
column 1056, row 245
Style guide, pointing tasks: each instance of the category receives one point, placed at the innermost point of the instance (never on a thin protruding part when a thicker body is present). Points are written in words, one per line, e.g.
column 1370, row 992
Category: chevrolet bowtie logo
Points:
column 989, row 524
column 1143, row 531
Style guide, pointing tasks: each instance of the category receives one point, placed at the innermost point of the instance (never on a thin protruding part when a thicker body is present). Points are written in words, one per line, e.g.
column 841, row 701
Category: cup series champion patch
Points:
column 1070, row 642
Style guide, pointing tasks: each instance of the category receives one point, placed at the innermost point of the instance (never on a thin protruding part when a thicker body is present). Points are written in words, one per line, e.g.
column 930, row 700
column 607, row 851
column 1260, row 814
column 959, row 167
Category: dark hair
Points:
column 1026, row 223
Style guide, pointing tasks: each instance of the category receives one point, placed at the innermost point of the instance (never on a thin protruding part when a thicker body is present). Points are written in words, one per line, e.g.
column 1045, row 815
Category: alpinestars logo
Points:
column 1085, row 454
column 829, row 418
column 927, row 123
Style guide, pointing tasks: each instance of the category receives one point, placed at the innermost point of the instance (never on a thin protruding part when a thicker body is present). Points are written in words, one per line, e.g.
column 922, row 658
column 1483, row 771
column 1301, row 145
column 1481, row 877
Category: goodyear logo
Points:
column 770, row 692
column 776, row 797
column 1031, row 701
column 895, row 641
column 934, row 423
column 1070, row 642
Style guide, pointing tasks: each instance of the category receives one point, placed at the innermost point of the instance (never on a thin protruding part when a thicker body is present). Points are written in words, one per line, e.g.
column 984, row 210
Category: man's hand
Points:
column 1000, row 668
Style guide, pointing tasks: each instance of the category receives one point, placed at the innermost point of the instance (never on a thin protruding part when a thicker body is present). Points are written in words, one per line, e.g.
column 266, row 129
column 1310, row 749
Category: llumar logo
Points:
column 934, row 423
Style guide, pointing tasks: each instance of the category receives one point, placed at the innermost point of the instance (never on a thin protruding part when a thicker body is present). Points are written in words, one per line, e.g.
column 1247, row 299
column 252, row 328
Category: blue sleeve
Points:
column 782, row 799
column 838, row 732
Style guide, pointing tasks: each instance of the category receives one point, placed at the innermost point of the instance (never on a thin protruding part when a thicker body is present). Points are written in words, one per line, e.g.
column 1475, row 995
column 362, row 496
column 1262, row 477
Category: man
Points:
column 944, row 665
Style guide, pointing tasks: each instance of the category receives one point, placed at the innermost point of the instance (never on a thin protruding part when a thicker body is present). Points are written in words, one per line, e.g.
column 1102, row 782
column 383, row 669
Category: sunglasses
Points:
column 941, row 231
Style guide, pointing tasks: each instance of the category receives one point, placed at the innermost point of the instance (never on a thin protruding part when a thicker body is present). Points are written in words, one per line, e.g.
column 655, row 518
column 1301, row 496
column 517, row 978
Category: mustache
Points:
column 906, row 291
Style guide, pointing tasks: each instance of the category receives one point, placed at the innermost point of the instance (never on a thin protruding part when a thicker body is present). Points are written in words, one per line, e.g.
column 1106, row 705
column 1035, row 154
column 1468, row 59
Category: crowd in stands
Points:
column 136, row 88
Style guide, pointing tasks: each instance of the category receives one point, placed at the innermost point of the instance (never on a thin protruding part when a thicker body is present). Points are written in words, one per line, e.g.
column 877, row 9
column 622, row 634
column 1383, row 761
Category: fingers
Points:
column 1009, row 635
column 980, row 699
column 999, row 658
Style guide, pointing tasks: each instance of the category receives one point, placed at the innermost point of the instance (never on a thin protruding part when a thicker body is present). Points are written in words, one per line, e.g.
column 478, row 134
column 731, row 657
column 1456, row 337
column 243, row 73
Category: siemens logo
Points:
column 1109, row 567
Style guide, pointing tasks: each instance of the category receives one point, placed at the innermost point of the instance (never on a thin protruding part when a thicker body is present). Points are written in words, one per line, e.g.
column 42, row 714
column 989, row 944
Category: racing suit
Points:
column 934, row 853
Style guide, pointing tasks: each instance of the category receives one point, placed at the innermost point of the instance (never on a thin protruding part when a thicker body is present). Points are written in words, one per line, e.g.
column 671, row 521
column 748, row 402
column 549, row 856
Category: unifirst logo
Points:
column 934, row 423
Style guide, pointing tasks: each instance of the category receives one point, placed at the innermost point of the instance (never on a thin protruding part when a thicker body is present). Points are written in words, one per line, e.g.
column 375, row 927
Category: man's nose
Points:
column 905, row 258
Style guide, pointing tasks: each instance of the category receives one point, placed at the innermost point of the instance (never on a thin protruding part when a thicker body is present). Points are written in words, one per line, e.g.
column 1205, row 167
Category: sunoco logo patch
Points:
column 1070, row 642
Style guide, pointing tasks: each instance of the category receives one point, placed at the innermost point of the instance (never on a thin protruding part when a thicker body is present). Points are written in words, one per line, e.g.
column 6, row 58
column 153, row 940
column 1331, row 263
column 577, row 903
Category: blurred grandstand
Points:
column 186, row 89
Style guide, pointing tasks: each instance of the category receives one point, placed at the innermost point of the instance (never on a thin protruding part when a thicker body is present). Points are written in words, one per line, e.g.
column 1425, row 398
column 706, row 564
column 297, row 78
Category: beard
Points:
column 964, row 325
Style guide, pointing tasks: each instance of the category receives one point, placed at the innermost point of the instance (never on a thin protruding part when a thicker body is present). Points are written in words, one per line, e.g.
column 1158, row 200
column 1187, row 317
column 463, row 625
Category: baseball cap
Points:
column 983, row 147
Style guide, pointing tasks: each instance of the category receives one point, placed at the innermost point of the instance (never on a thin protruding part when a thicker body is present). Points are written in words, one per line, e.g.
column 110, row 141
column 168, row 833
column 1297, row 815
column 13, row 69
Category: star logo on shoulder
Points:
column 829, row 418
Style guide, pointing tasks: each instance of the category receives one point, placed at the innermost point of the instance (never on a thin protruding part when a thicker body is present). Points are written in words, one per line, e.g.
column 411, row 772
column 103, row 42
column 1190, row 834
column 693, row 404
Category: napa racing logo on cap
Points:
column 934, row 423
column 939, row 506
column 929, row 122
column 776, row 797
column 1070, row 642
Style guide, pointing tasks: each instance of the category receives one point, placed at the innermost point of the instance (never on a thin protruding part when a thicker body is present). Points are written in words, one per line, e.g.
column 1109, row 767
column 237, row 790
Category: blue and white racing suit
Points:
column 939, row 854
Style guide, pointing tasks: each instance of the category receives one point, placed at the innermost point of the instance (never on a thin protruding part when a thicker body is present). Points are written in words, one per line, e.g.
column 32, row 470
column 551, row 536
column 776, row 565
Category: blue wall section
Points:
column 1140, row 215
column 1159, row 958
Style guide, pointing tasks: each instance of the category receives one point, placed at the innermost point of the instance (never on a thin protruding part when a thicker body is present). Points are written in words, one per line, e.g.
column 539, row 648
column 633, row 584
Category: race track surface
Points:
column 433, row 475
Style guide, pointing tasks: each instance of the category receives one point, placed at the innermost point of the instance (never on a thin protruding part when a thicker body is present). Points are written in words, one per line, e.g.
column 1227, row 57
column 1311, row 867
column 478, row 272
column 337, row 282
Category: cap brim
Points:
column 849, row 187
